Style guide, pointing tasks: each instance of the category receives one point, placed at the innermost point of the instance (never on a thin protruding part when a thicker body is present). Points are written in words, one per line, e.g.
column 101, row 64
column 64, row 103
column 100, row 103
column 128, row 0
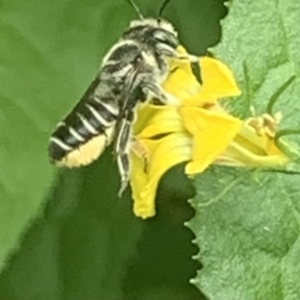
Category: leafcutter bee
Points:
column 131, row 72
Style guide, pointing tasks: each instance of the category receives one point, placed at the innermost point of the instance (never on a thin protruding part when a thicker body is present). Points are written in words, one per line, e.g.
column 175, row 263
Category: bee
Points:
column 131, row 73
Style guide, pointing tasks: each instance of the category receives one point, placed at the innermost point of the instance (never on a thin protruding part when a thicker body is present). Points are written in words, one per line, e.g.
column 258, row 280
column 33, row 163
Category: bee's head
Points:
column 156, row 33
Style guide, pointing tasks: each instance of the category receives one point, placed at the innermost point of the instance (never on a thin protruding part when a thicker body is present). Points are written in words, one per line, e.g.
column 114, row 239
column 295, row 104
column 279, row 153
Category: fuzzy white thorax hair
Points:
column 158, row 23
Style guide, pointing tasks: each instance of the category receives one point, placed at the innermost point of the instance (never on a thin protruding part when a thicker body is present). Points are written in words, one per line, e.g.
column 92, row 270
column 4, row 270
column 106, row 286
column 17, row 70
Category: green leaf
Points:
column 247, row 223
column 247, row 227
column 259, row 44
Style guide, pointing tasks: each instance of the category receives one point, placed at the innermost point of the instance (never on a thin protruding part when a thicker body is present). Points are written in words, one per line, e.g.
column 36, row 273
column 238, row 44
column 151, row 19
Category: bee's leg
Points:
column 155, row 92
column 122, row 149
column 188, row 58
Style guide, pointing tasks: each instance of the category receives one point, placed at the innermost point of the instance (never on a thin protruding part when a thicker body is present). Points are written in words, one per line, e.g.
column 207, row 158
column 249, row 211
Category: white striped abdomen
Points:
column 84, row 134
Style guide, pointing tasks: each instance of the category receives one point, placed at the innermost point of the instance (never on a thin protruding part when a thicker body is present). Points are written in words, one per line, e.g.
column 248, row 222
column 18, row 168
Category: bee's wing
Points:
column 84, row 134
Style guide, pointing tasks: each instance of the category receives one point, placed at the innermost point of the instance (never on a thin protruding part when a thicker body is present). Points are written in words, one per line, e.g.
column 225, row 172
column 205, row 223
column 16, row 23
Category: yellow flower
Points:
column 254, row 145
column 197, row 131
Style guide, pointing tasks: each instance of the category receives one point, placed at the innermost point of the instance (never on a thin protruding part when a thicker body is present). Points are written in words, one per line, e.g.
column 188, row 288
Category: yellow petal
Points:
column 212, row 133
column 138, row 176
column 139, row 164
column 239, row 156
column 181, row 82
column 252, row 148
column 218, row 82
column 164, row 120
column 165, row 153
column 144, row 113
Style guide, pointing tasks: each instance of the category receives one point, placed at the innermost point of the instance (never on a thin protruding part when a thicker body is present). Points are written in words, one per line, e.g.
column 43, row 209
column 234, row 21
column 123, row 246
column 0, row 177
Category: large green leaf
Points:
column 247, row 223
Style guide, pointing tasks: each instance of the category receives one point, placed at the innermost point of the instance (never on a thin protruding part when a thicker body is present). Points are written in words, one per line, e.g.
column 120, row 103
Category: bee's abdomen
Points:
column 84, row 133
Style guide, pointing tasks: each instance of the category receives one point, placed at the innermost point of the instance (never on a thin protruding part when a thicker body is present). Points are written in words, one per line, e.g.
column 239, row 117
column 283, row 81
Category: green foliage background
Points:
column 247, row 223
column 65, row 234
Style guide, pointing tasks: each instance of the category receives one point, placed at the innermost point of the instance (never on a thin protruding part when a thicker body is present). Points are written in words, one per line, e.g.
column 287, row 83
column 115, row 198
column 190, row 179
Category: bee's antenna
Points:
column 162, row 8
column 131, row 2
